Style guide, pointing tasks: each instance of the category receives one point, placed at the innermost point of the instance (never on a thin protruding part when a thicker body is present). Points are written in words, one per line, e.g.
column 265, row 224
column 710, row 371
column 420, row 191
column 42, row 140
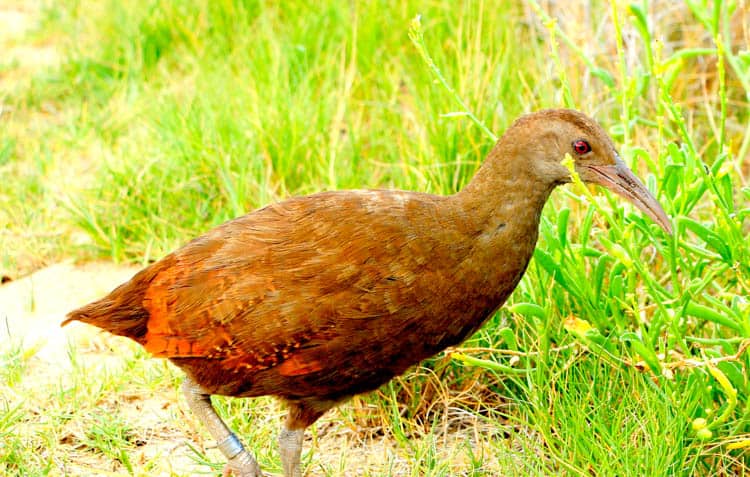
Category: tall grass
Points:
column 290, row 111
column 622, row 352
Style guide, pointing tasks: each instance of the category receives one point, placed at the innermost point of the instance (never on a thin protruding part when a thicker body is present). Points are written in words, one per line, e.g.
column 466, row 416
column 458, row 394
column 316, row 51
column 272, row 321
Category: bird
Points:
column 318, row 298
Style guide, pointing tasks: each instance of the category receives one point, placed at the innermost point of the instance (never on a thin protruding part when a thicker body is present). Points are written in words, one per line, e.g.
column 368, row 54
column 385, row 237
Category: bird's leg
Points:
column 302, row 413
column 239, row 461
column 290, row 447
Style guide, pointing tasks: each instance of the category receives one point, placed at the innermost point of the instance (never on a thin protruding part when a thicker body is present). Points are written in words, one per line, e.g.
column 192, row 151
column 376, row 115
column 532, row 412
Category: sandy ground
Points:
column 32, row 308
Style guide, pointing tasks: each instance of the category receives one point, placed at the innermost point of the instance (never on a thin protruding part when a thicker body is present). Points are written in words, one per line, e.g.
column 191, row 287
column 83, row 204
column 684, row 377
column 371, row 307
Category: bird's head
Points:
column 547, row 137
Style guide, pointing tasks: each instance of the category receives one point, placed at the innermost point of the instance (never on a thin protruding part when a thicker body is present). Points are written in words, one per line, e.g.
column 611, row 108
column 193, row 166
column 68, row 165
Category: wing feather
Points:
column 268, row 287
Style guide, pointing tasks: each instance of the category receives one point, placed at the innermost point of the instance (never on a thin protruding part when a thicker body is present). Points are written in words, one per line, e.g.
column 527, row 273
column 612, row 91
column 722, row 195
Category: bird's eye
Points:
column 581, row 147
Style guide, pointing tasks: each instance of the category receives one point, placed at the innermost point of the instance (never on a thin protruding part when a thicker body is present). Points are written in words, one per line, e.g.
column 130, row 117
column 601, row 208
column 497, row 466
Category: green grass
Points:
column 164, row 119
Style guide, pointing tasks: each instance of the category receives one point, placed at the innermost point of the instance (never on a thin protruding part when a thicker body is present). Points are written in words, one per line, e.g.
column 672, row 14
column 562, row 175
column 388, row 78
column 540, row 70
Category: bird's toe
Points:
column 241, row 471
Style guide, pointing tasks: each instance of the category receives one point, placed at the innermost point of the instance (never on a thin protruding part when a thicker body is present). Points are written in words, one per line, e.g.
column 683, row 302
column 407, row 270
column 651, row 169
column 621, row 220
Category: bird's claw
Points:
column 232, row 471
column 229, row 471
column 242, row 465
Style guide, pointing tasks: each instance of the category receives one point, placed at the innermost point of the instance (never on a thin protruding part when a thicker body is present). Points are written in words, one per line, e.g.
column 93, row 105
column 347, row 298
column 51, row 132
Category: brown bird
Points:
column 318, row 298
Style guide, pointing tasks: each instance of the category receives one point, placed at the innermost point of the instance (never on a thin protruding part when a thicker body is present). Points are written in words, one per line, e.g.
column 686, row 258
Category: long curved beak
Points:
column 621, row 180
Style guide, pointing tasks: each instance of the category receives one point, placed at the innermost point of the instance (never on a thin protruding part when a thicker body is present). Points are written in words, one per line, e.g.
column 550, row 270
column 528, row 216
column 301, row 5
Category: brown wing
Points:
column 293, row 284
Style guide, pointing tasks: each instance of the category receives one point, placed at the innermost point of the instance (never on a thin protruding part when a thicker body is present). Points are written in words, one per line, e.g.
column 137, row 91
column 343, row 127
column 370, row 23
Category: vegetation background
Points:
column 127, row 128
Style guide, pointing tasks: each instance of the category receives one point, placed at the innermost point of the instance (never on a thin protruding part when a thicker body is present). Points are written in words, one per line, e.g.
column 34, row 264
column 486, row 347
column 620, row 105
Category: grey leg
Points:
column 290, row 446
column 239, row 461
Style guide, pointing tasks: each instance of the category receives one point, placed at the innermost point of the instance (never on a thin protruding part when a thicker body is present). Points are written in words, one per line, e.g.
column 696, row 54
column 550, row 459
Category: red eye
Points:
column 581, row 147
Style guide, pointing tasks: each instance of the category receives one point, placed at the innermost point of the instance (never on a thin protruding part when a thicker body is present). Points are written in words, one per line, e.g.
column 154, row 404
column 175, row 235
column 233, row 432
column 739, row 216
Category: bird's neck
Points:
column 500, row 209
column 504, row 199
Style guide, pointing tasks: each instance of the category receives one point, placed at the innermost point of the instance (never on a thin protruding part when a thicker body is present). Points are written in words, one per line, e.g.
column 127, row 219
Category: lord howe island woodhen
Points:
column 318, row 298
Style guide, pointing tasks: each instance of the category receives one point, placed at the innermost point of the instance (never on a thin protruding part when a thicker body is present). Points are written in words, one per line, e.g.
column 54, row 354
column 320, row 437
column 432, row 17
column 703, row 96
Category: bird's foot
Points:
column 242, row 465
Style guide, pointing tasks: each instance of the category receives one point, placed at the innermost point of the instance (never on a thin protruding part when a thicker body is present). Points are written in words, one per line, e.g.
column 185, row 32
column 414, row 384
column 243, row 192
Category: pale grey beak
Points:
column 620, row 179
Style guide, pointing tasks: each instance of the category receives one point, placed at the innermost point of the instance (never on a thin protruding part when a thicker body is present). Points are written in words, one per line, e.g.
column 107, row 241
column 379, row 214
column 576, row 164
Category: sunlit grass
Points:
column 166, row 118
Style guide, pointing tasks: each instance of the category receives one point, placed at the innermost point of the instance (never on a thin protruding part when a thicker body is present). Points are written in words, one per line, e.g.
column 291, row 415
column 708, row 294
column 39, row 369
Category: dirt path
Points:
column 32, row 308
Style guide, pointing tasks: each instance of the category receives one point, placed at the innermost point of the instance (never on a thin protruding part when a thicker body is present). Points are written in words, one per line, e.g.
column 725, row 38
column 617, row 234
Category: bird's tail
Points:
column 121, row 312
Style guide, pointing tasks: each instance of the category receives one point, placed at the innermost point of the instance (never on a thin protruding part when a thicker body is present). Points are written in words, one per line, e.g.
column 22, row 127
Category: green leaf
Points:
column 646, row 353
column 711, row 238
column 562, row 227
column 530, row 310
column 708, row 314
column 603, row 75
